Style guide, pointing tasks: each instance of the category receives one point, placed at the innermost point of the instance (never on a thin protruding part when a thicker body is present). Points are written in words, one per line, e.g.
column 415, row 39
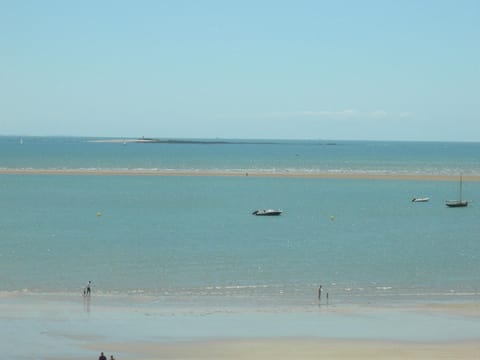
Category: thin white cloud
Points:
column 379, row 114
column 341, row 114
column 324, row 113
column 405, row 115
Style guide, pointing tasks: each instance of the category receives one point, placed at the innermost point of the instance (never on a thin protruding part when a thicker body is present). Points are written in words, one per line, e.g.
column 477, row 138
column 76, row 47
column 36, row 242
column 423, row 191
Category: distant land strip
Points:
column 206, row 173
column 202, row 142
column 161, row 141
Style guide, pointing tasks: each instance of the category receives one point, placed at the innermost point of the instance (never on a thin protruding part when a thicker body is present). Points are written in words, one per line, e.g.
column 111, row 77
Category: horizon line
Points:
column 226, row 139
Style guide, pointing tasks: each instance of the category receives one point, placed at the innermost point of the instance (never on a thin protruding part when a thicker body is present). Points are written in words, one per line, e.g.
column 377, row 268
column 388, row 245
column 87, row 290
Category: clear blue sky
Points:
column 384, row 70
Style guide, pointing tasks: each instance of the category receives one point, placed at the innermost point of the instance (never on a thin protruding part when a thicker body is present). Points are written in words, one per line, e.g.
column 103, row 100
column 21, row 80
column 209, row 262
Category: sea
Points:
column 194, row 239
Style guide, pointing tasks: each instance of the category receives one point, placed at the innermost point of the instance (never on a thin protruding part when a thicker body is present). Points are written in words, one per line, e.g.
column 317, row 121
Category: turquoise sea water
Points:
column 194, row 237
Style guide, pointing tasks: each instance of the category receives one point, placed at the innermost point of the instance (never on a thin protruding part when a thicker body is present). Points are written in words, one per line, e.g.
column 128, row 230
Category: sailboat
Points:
column 460, row 202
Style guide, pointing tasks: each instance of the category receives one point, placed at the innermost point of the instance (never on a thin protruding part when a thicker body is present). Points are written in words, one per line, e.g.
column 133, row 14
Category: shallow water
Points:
column 196, row 237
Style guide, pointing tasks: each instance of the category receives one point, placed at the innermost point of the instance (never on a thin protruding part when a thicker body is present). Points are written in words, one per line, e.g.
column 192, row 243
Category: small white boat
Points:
column 267, row 212
column 423, row 199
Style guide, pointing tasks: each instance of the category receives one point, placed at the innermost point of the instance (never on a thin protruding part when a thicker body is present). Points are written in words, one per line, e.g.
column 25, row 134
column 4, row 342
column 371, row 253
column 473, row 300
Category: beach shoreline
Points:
column 182, row 270
column 219, row 173
column 77, row 327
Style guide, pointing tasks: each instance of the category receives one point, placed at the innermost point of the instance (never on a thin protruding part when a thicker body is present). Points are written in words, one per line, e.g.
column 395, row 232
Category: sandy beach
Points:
column 206, row 173
column 55, row 326
column 285, row 349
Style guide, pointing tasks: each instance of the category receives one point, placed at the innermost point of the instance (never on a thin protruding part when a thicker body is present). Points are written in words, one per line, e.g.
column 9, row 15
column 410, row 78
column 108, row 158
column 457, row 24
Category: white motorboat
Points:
column 423, row 199
column 267, row 212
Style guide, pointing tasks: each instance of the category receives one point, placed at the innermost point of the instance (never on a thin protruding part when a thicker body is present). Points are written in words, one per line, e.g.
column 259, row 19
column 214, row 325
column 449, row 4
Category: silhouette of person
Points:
column 88, row 290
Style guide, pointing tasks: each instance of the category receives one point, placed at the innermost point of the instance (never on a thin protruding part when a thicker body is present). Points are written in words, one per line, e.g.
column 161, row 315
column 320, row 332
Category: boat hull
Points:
column 425, row 199
column 267, row 212
column 457, row 203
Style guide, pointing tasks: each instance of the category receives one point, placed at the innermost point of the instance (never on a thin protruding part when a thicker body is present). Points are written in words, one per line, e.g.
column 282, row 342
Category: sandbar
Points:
column 206, row 173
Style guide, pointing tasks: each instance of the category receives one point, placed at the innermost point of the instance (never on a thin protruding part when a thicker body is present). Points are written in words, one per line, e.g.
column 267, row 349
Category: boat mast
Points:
column 461, row 186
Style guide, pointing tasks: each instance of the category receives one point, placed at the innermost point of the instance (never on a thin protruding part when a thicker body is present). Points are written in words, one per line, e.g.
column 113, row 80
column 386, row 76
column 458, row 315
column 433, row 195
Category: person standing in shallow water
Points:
column 320, row 294
column 102, row 357
column 88, row 289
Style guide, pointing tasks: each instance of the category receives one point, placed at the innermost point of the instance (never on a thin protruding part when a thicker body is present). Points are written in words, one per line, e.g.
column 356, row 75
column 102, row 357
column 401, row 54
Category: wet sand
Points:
column 55, row 326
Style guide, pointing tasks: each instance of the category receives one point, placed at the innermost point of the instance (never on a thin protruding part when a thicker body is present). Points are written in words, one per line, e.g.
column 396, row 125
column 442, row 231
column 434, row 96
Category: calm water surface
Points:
column 196, row 237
